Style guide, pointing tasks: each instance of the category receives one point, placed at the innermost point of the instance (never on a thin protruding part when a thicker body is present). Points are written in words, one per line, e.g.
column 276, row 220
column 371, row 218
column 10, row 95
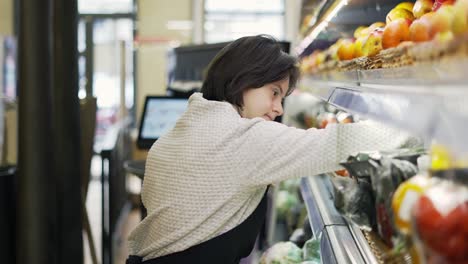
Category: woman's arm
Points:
column 271, row 152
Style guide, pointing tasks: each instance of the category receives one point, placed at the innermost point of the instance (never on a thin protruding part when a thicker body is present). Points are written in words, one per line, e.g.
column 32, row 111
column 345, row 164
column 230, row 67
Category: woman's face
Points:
column 265, row 102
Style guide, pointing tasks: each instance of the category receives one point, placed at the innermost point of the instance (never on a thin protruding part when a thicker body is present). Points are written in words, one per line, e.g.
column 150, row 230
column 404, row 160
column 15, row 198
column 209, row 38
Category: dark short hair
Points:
column 248, row 62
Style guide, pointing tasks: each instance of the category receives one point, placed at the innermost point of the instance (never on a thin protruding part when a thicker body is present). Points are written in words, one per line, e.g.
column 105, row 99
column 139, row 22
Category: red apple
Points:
column 439, row 3
column 395, row 32
column 442, row 229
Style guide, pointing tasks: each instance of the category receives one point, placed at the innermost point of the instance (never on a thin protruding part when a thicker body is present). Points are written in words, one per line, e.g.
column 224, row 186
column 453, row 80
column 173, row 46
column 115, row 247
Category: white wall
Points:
column 292, row 20
column 152, row 19
column 6, row 17
column 152, row 22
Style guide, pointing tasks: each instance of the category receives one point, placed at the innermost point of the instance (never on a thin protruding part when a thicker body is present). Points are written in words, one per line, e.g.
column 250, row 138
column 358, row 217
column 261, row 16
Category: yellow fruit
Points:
column 422, row 7
column 373, row 43
column 358, row 46
column 397, row 13
column 320, row 59
column 442, row 20
column 463, row 4
column 346, row 50
column 359, row 31
column 405, row 197
column 444, row 37
column 460, row 17
column 406, row 5
column 376, row 25
column 441, row 158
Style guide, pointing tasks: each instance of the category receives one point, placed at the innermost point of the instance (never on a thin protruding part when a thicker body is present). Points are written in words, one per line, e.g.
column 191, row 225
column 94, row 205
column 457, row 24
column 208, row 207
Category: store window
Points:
column 229, row 20
column 105, row 6
column 105, row 45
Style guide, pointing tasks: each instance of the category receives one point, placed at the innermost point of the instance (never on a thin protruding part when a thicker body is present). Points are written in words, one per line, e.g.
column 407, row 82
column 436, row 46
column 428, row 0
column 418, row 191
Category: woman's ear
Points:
column 240, row 110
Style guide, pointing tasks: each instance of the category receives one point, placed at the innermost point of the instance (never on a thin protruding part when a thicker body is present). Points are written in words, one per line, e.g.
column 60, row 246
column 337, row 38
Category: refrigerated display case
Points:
column 421, row 88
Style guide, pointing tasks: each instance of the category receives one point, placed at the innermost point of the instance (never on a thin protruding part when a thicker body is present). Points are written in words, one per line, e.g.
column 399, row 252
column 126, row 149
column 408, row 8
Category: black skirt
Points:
column 228, row 248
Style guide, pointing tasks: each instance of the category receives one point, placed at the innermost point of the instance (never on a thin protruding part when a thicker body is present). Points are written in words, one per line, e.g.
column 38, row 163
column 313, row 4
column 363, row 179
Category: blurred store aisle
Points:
column 93, row 204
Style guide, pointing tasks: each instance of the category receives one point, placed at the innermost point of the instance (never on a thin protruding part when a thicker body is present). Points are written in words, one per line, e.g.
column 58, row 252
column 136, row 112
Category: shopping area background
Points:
column 71, row 120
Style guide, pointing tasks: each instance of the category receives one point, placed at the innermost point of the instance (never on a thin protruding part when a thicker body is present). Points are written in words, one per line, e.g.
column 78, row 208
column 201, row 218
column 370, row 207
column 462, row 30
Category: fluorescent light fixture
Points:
column 320, row 27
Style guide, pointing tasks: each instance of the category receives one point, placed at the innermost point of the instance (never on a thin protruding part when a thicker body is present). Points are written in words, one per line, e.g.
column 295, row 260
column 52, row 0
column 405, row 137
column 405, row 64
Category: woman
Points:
column 206, row 179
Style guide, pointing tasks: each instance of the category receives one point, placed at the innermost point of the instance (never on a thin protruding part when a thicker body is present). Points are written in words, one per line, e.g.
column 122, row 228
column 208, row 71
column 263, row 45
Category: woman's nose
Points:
column 278, row 108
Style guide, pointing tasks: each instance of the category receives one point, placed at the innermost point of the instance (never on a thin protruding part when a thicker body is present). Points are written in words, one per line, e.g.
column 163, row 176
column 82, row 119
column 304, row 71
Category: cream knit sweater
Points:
column 209, row 173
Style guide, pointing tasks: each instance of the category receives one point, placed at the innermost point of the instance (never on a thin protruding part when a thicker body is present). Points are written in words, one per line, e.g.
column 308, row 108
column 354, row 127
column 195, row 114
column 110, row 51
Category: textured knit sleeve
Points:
column 271, row 152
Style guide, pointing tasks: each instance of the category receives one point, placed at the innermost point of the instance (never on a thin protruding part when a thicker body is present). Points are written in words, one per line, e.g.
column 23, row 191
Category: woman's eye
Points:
column 275, row 93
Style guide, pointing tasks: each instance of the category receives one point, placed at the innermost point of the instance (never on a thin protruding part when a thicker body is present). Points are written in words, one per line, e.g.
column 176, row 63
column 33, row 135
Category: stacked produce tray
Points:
column 341, row 241
column 428, row 99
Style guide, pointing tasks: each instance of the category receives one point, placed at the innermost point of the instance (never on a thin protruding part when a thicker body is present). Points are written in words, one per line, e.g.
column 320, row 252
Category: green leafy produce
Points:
column 311, row 250
column 282, row 253
column 285, row 201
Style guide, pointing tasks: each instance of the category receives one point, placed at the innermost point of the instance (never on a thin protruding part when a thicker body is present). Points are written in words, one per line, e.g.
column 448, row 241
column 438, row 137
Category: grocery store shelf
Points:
column 428, row 100
column 340, row 242
column 321, row 211
column 340, row 14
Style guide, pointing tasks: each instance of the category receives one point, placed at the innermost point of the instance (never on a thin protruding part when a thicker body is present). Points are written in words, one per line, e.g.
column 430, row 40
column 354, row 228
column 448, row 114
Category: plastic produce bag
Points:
column 354, row 201
column 282, row 253
column 311, row 250
column 385, row 181
column 361, row 166
column 440, row 218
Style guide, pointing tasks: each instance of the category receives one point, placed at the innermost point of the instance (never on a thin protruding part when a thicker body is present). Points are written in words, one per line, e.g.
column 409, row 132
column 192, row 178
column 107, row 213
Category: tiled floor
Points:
column 93, row 205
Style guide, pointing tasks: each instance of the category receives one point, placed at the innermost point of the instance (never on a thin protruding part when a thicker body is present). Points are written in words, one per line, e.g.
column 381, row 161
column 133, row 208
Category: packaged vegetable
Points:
column 440, row 218
column 404, row 198
column 385, row 181
column 311, row 250
column 354, row 201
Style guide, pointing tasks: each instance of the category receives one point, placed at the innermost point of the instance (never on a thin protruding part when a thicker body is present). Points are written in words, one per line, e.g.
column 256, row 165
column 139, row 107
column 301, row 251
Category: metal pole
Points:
column 36, row 215
column 89, row 55
column 66, row 126
column 48, row 189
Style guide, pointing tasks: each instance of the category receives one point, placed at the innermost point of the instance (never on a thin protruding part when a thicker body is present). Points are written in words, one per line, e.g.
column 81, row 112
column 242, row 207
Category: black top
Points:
column 228, row 248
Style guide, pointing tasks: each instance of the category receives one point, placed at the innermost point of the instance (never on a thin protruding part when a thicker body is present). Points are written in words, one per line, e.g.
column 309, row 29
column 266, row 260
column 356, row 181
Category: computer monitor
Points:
column 160, row 114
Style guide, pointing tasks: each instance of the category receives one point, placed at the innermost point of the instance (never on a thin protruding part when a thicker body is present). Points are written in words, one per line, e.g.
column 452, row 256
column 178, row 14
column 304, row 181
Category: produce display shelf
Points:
column 340, row 241
column 429, row 100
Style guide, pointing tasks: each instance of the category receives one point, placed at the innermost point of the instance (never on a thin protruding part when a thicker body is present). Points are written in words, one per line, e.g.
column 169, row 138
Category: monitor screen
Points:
column 160, row 114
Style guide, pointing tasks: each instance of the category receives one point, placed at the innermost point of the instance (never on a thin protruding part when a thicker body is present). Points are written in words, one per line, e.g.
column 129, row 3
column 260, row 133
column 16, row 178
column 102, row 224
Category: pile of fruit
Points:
column 418, row 212
column 413, row 32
